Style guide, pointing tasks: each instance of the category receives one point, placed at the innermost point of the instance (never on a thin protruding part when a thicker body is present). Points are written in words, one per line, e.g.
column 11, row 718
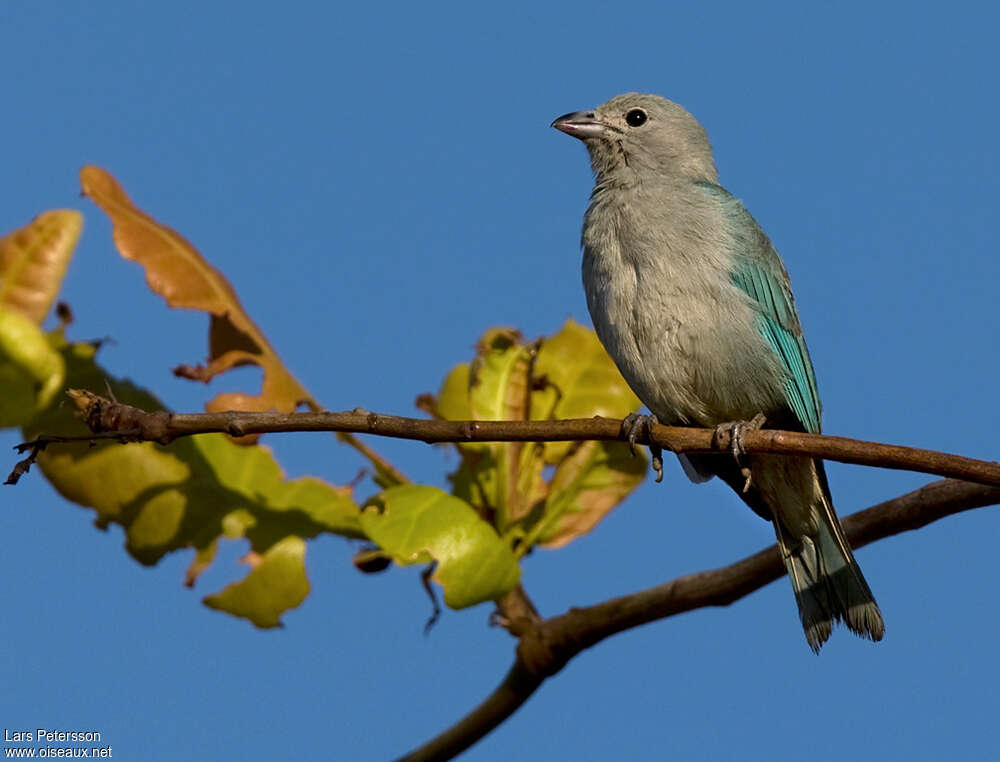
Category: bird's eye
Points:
column 635, row 118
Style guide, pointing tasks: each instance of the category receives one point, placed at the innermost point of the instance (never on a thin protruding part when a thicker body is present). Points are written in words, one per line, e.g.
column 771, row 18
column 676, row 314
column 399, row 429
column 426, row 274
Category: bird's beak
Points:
column 580, row 124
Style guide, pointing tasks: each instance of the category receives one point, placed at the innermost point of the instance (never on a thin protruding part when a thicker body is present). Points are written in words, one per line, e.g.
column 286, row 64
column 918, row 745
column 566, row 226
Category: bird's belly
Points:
column 691, row 358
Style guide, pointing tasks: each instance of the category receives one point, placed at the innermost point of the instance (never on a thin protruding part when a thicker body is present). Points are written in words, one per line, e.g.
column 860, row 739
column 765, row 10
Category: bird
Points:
column 693, row 303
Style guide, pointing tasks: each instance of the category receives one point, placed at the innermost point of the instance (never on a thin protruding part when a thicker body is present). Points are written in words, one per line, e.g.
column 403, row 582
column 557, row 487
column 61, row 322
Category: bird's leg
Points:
column 737, row 430
column 636, row 424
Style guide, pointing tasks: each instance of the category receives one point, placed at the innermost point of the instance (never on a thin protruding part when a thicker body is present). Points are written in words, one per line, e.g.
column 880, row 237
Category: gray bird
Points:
column 693, row 303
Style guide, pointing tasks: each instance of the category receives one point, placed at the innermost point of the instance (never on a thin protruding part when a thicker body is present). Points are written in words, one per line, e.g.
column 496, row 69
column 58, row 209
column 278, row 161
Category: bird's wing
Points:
column 780, row 326
column 759, row 273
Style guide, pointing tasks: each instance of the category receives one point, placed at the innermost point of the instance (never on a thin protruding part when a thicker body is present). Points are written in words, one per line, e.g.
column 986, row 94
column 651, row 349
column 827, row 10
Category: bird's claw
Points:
column 747, row 474
column 632, row 427
column 737, row 430
column 657, row 457
column 636, row 424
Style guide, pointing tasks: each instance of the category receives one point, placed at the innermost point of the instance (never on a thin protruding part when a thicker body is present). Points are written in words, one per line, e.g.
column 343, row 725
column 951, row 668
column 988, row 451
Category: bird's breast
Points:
column 664, row 306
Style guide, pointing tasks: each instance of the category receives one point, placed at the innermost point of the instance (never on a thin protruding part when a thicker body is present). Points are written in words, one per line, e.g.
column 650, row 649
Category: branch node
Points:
column 544, row 651
column 23, row 466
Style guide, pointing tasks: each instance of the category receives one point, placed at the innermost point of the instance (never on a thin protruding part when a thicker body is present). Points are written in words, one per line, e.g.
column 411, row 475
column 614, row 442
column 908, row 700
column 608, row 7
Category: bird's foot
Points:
column 636, row 424
column 737, row 430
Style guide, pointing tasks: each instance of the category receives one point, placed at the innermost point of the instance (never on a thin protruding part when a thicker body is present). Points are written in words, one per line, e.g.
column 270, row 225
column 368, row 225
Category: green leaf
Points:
column 568, row 375
column 500, row 382
column 305, row 506
column 417, row 524
column 31, row 370
column 276, row 584
column 453, row 399
column 498, row 377
column 188, row 494
column 502, row 478
column 583, row 381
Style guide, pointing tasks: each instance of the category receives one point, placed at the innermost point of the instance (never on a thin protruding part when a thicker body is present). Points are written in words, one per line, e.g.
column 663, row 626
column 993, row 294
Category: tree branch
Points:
column 546, row 648
column 515, row 689
column 113, row 419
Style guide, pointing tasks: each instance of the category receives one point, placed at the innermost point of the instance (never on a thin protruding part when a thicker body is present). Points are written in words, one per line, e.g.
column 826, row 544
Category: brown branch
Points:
column 515, row 689
column 545, row 646
column 113, row 418
column 543, row 650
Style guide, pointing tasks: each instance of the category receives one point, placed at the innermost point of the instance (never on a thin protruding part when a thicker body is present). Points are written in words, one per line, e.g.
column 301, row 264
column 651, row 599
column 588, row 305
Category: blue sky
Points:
column 381, row 186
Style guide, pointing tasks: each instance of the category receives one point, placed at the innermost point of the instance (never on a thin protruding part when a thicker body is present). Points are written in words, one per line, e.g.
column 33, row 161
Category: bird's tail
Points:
column 827, row 581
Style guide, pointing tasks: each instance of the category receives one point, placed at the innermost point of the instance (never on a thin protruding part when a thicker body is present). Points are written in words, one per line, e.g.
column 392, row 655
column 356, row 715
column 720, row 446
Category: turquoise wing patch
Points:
column 757, row 274
column 779, row 324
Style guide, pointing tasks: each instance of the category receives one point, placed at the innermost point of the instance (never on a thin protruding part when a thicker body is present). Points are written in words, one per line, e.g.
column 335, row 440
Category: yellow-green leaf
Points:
column 417, row 524
column 498, row 378
column 32, row 371
column 582, row 382
column 188, row 494
column 568, row 375
column 453, row 399
column 33, row 261
column 276, row 584
column 503, row 478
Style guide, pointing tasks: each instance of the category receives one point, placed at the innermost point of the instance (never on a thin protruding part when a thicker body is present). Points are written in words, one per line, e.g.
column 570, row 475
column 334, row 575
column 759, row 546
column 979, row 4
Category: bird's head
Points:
column 642, row 133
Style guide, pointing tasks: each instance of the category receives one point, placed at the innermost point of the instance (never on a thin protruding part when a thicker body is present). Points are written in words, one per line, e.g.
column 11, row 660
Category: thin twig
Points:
column 382, row 466
column 515, row 689
column 384, row 470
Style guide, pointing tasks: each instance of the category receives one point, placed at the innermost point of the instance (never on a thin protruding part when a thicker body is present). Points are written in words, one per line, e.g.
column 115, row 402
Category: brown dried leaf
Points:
column 178, row 272
column 588, row 483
